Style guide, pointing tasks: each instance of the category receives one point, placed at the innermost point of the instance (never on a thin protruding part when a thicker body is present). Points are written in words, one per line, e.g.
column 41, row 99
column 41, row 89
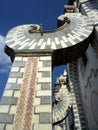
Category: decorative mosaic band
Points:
column 23, row 117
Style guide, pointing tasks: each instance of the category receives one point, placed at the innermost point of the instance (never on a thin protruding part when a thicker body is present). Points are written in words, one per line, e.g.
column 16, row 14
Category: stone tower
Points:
column 27, row 100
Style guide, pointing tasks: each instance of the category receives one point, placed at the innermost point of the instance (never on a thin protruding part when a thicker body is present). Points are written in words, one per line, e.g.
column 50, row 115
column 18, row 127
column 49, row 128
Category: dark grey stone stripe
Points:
column 46, row 100
column 6, row 118
column 45, row 86
column 16, row 75
column 8, row 101
column 46, row 74
column 19, row 64
column 47, row 63
column 45, row 118
column 13, row 86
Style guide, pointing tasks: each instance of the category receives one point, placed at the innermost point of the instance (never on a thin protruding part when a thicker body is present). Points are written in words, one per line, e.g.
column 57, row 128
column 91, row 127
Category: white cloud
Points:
column 5, row 62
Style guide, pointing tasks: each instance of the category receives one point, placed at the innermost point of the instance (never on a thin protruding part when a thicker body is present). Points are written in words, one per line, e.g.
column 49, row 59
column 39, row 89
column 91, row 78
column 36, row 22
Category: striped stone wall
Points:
column 88, row 75
column 27, row 100
column 78, row 110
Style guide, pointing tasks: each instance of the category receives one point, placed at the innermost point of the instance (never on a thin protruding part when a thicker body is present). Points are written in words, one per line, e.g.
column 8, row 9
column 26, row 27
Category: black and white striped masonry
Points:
column 19, row 38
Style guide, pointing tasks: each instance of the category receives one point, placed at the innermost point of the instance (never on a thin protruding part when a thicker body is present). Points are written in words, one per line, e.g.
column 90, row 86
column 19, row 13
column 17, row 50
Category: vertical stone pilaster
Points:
column 27, row 100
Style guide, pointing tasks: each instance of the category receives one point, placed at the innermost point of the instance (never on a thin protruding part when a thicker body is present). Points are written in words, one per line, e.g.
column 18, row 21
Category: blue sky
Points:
column 18, row 12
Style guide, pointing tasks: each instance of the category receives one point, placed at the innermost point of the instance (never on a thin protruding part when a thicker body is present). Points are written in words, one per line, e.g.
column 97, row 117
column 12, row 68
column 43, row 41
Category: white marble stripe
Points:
column 7, row 41
column 64, row 39
column 21, row 29
column 19, row 32
column 24, row 26
column 83, row 29
column 57, row 40
column 78, row 27
column 53, row 46
column 48, row 41
column 18, row 39
column 24, row 41
column 71, row 41
column 9, row 35
column 16, row 43
column 76, row 33
column 82, row 33
column 43, row 45
column 34, row 44
column 63, row 44
column 71, row 36
column 80, row 39
column 19, row 35
column 31, row 42
column 15, row 38
column 40, row 42
column 21, row 47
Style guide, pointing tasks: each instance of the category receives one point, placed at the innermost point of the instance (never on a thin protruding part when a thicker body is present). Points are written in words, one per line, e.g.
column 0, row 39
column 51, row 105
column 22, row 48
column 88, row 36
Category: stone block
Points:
column 12, row 80
column 36, row 101
column 19, row 80
column 44, row 80
column 6, row 118
column 15, row 69
column 19, row 64
column 39, row 74
column 9, row 127
column 45, row 86
column 8, row 101
column 45, row 58
column 40, row 64
column 44, row 69
column 44, row 93
column 43, row 108
column 8, row 93
column 38, row 87
column 46, row 74
column 25, row 58
column 2, row 126
column 46, row 100
column 17, row 94
column 16, row 75
column 13, row 109
column 35, row 119
column 4, row 108
column 22, row 70
column 42, row 127
column 12, row 86
column 47, row 63
column 45, row 118
column 18, row 58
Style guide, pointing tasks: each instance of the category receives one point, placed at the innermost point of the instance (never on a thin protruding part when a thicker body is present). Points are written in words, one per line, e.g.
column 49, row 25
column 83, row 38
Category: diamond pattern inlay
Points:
column 24, row 111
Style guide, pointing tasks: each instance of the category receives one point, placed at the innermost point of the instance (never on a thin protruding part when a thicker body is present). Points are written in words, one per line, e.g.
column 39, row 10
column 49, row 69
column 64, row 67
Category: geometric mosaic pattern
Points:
column 23, row 116
column 75, row 32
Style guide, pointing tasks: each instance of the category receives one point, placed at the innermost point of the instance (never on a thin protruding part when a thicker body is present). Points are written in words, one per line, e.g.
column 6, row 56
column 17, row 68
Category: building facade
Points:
column 27, row 102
